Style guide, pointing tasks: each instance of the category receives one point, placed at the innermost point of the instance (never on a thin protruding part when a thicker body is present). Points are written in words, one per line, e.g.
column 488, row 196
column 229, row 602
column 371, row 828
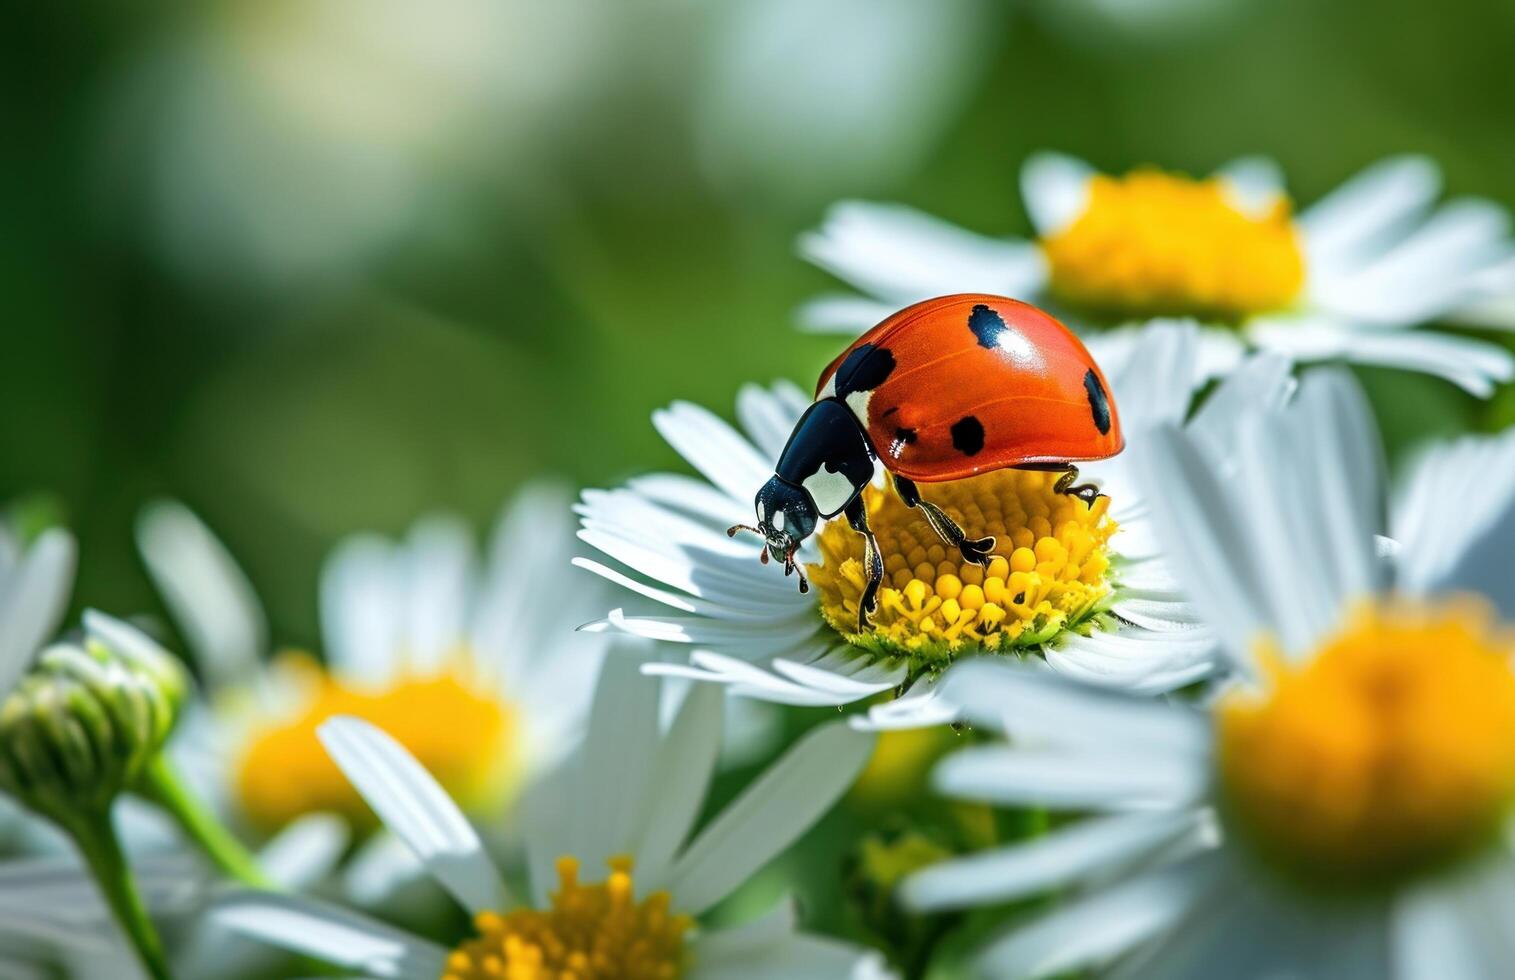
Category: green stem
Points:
column 96, row 837
column 161, row 784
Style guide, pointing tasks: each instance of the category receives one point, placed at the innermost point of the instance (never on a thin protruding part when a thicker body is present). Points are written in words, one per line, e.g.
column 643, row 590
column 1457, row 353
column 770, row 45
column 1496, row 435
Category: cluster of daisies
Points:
column 1250, row 711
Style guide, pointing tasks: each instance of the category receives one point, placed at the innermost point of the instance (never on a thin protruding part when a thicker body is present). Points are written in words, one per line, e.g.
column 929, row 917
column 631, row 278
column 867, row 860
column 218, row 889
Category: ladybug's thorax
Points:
column 829, row 456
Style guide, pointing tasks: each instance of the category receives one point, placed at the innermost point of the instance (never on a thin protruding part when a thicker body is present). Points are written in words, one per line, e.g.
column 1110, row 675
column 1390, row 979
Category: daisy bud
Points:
column 83, row 724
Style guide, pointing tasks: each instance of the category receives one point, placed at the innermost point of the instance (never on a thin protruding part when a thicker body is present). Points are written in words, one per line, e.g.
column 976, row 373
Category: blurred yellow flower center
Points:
column 1391, row 750
column 1152, row 243
column 462, row 736
column 1048, row 573
column 591, row 932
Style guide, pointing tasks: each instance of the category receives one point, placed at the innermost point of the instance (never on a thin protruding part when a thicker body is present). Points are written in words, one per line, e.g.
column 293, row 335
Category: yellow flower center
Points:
column 1152, row 243
column 462, row 736
column 1390, row 751
column 1048, row 573
column 591, row 932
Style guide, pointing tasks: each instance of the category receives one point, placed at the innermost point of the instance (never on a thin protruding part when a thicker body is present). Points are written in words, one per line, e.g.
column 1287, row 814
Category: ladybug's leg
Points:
column 873, row 562
column 976, row 550
column 1087, row 492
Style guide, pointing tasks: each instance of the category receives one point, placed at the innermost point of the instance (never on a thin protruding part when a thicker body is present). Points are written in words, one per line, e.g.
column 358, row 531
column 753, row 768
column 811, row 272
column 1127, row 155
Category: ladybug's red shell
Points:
column 970, row 383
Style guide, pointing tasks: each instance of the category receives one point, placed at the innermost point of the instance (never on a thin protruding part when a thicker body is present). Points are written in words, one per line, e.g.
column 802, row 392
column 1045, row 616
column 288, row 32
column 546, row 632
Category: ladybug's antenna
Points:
column 731, row 531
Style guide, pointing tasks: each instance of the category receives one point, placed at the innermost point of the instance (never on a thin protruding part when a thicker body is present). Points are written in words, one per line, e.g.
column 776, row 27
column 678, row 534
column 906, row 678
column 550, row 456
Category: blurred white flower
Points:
column 478, row 671
column 1352, row 278
column 1109, row 613
column 1346, row 810
column 286, row 139
column 618, row 815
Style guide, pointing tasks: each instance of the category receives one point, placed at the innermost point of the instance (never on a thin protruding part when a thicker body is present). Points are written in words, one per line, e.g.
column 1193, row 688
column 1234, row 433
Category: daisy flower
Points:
column 1351, row 277
column 475, row 670
column 1082, row 586
column 616, row 885
column 1346, row 808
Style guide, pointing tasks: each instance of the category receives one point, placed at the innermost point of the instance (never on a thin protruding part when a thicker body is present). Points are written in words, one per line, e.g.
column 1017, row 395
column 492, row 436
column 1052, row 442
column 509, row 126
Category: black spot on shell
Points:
column 1099, row 403
column 864, row 369
column 986, row 326
column 968, row 435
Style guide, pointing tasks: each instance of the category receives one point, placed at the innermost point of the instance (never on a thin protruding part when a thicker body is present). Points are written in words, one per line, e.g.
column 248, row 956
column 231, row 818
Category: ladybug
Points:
column 943, row 390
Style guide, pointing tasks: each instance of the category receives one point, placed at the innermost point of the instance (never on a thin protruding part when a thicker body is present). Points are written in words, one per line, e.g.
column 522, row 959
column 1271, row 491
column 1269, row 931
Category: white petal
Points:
column 437, row 563
column 1354, row 221
column 1433, row 270
column 796, row 956
column 305, row 851
column 382, row 867
column 845, row 315
column 36, row 594
column 1137, row 660
column 209, row 595
column 714, row 448
column 774, row 809
column 685, row 761
column 1473, row 365
column 609, row 782
column 1461, row 533
column 330, row 933
column 1038, row 705
column 767, row 419
column 1198, row 517
column 1062, row 858
column 1091, row 930
column 414, row 806
column 362, row 608
column 1255, row 184
column 1056, row 190
column 901, row 255
column 1111, row 778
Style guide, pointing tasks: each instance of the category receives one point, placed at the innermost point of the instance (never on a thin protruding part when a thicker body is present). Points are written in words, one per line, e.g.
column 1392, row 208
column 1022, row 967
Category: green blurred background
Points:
column 320, row 266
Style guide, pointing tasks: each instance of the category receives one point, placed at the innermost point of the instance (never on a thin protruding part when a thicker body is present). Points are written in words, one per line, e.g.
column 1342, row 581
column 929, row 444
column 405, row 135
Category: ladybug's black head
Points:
column 786, row 516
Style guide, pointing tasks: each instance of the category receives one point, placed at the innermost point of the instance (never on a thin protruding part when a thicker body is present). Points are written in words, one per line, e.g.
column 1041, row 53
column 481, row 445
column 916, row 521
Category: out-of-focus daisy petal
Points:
column 683, row 767
column 36, row 593
column 417, row 809
column 903, row 255
column 1039, row 706
column 1055, row 188
column 1354, row 222
column 1473, row 365
column 438, row 569
column 1255, row 183
column 1452, row 513
column 306, row 851
column 1429, row 271
column 610, row 781
column 1070, row 779
column 795, row 955
column 1049, row 863
column 208, row 594
column 334, row 934
column 1456, row 929
column 1122, row 660
column 841, row 314
column 769, row 814
column 361, row 613
column 1089, row 931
